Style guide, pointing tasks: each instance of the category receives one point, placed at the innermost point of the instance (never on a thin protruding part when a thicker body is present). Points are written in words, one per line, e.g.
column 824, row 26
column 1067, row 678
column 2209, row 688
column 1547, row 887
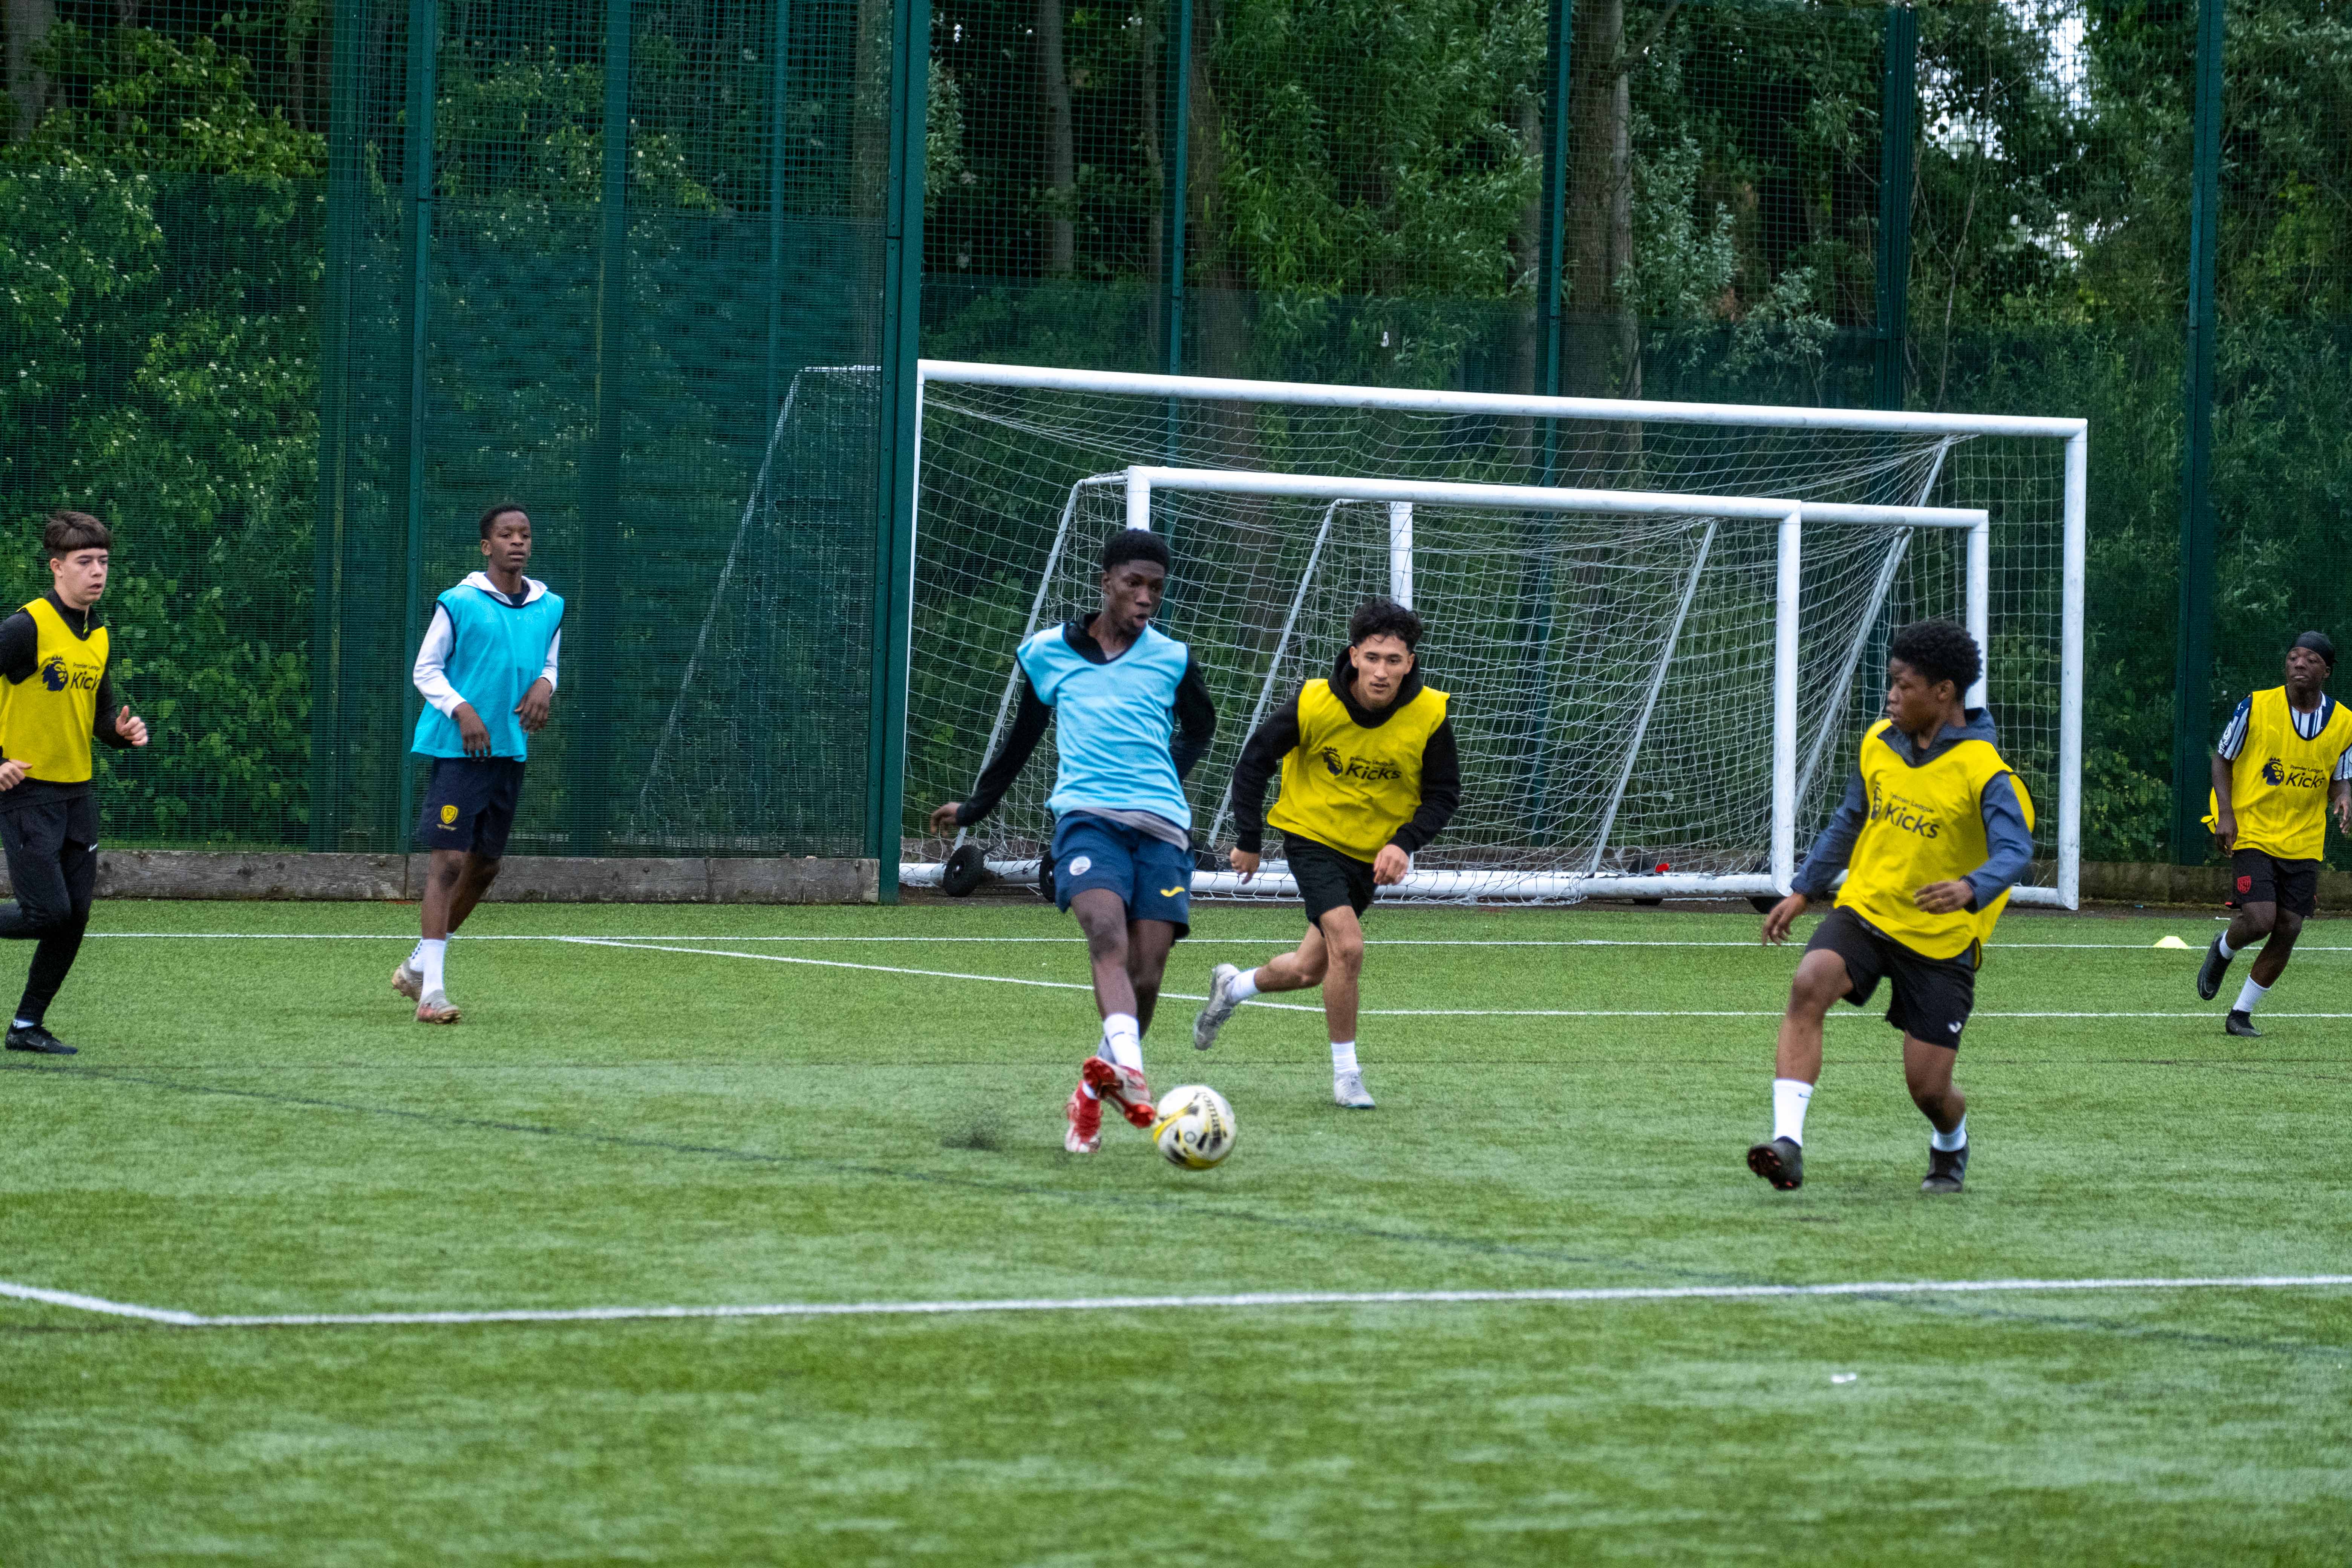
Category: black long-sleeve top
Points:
column 1441, row 763
column 20, row 649
column 1196, row 724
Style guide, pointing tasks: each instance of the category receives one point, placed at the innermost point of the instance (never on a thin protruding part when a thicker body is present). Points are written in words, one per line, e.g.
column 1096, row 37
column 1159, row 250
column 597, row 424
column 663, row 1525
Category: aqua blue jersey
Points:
column 496, row 650
column 1114, row 720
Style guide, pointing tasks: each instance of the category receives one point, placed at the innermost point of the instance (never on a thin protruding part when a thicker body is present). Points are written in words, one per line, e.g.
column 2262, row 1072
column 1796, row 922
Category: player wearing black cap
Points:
column 2284, row 760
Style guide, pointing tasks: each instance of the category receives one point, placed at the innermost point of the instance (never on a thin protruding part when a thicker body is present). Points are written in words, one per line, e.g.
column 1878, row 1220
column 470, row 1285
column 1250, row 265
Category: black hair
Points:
column 1135, row 544
column 498, row 511
column 1384, row 618
column 1940, row 650
column 66, row 532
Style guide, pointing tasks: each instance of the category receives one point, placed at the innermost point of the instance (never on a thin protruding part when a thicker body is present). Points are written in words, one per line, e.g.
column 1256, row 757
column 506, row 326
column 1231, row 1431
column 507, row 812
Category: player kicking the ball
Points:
column 1934, row 830
column 2285, row 757
column 1122, row 829
column 1370, row 776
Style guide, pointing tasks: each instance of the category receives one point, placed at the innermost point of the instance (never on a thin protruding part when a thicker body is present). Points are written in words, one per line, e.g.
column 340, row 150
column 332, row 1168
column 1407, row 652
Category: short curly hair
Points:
column 1135, row 544
column 1384, row 618
column 1940, row 650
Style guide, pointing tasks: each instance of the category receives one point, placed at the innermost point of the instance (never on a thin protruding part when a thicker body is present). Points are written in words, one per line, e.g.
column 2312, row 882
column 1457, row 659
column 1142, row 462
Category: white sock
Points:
column 1122, row 1042
column 1945, row 1143
column 2225, row 950
column 1790, row 1098
column 428, row 963
column 1245, row 986
column 1343, row 1058
column 2250, row 994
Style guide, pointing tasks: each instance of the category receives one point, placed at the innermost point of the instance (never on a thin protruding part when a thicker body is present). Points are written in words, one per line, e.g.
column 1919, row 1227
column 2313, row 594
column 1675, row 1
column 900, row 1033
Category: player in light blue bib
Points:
column 1134, row 716
column 488, row 672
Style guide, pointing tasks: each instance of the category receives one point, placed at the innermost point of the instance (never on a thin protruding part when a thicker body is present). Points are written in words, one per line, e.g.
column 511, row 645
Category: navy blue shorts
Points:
column 469, row 803
column 1151, row 877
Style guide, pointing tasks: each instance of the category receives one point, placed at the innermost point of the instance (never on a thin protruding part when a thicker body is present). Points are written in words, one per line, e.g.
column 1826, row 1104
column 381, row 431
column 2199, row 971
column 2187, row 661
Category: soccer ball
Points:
column 1194, row 1128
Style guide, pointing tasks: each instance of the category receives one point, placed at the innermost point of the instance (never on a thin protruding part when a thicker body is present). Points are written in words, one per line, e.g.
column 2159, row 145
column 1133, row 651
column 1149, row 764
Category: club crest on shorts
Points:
column 1082, row 865
column 2245, row 884
column 448, row 816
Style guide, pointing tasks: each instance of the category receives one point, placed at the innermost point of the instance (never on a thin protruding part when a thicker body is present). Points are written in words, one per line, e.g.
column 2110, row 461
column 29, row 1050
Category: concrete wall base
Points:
column 2125, row 882
column 526, row 879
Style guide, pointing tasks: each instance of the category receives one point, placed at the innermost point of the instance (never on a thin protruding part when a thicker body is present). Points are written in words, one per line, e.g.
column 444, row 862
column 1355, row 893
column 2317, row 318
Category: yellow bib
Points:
column 46, row 719
column 1350, row 787
column 1926, row 824
column 2278, row 782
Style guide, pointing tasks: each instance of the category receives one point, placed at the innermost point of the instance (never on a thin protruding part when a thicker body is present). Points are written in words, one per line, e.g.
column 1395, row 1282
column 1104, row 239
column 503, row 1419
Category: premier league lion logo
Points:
column 53, row 673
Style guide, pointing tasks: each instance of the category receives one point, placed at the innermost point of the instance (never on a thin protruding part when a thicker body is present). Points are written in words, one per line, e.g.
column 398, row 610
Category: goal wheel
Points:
column 1762, row 903
column 967, row 869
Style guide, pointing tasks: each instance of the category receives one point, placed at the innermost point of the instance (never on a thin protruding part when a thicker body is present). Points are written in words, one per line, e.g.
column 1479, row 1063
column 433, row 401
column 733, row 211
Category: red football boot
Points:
column 1123, row 1087
column 1085, row 1113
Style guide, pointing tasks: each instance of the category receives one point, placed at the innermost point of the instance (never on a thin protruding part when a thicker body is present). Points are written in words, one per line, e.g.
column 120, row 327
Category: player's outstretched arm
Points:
column 1030, row 718
column 1822, row 862
column 1273, row 740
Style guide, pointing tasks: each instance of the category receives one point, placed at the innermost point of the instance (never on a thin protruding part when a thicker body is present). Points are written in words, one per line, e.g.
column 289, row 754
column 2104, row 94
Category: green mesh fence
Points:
column 228, row 324
column 595, row 312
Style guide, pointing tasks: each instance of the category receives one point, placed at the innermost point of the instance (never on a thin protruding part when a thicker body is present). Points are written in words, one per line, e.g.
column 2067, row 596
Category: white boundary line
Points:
column 1367, row 1012
column 1080, row 941
column 1242, row 1302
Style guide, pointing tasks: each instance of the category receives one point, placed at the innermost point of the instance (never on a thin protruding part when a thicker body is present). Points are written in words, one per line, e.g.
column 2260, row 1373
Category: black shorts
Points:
column 1327, row 879
column 469, row 803
column 2258, row 877
column 1933, row 996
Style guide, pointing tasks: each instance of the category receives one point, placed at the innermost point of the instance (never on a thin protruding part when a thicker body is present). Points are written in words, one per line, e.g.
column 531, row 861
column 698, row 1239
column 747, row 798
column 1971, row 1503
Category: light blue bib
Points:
column 496, row 651
column 1113, row 723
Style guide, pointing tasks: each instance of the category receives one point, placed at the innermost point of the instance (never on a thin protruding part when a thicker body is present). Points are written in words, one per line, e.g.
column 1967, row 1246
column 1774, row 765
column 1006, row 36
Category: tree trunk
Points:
column 1600, row 218
column 27, row 23
column 1061, row 156
column 1527, row 254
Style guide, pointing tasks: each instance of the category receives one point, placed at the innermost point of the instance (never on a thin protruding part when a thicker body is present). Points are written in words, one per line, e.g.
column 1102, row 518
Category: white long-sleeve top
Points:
column 431, row 674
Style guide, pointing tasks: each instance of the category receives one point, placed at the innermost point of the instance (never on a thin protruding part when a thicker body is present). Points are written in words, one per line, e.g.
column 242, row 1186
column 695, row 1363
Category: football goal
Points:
column 1663, row 626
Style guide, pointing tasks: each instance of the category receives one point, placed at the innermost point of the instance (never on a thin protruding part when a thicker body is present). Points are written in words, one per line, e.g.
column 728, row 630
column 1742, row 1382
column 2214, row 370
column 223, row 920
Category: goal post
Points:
column 1398, row 500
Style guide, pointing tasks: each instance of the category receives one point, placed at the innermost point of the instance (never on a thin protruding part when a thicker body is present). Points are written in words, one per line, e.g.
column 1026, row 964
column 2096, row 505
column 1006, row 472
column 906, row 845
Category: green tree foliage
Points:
column 160, row 259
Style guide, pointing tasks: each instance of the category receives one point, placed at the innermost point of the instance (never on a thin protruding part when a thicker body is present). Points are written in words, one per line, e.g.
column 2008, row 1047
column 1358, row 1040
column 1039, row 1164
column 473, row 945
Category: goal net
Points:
column 1663, row 626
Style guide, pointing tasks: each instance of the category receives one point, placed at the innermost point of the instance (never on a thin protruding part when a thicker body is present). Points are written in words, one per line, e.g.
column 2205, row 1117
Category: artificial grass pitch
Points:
column 255, row 1127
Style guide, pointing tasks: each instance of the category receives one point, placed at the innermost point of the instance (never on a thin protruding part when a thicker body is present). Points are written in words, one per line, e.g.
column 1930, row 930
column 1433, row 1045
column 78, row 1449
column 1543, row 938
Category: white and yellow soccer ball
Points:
column 1193, row 1129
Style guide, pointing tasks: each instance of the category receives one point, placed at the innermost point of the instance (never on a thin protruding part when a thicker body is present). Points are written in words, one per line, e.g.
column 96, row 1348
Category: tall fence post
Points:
column 1898, row 120
column 901, row 437
column 1176, row 165
column 778, row 143
column 593, row 615
column 330, row 779
column 423, row 93
column 2193, row 675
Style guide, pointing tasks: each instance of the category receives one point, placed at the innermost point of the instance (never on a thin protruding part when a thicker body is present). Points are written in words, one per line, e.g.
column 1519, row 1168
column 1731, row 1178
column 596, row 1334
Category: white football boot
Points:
column 1221, row 1004
column 407, row 982
column 1347, row 1089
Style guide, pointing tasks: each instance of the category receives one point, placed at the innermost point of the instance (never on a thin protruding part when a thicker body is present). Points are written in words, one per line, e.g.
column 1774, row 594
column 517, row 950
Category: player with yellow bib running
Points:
column 1370, row 776
column 1934, row 830
column 56, row 698
column 2285, row 757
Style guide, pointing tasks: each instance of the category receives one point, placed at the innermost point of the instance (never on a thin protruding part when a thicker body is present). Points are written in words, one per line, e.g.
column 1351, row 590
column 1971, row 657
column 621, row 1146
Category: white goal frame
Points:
column 1791, row 517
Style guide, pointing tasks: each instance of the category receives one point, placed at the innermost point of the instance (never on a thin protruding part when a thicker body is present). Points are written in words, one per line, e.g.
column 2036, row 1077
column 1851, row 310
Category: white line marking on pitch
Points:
column 1269, row 942
column 1314, row 1007
column 1280, row 1007
column 1257, row 1299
